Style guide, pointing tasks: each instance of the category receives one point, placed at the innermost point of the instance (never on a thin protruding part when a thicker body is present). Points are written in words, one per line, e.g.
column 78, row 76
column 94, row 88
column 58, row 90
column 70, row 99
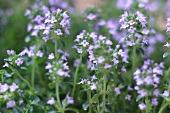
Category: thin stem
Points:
column 33, row 72
column 134, row 58
column 57, row 79
column 76, row 76
column 104, row 95
column 163, row 107
column 89, row 97
column 57, row 93
column 16, row 72
column 166, row 76
column 34, row 66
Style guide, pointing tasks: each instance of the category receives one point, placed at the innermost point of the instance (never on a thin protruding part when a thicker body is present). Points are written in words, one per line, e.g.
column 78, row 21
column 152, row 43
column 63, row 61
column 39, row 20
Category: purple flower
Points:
column 3, row 88
column 142, row 106
column 156, row 92
column 166, row 93
column 10, row 52
column 167, row 44
column 51, row 101
column 19, row 61
column 124, row 4
column 168, row 25
column 154, row 101
column 13, row 87
column 51, row 56
column 40, row 54
column 69, row 99
column 128, row 97
column 117, row 90
column 58, row 32
column 93, row 86
column 6, row 64
column 10, row 104
column 91, row 16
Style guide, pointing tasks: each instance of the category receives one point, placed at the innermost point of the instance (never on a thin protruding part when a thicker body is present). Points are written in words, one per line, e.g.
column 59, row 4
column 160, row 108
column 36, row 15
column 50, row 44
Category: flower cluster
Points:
column 48, row 23
column 133, row 22
column 83, row 41
column 60, row 67
column 147, row 79
column 89, row 84
column 68, row 100
column 13, row 59
column 32, row 51
column 9, row 93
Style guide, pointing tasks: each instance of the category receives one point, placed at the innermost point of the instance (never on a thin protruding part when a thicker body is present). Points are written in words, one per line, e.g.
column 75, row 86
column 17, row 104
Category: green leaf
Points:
column 166, row 54
column 35, row 100
column 109, row 107
column 64, row 103
column 23, row 68
column 85, row 106
column 95, row 98
column 52, row 85
column 2, row 72
column 8, row 74
column 138, row 98
column 8, row 59
column 168, row 38
column 62, row 42
column 72, row 109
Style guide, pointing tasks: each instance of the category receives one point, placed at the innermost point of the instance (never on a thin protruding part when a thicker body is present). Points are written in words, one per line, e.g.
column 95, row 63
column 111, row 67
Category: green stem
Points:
column 16, row 72
column 89, row 97
column 57, row 79
column 104, row 95
column 163, row 107
column 134, row 58
column 33, row 72
column 166, row 76
column 76, row 76
column 34, row 66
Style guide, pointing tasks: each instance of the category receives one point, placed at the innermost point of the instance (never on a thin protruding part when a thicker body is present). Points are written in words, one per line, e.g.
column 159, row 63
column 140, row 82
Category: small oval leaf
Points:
column 166, row 54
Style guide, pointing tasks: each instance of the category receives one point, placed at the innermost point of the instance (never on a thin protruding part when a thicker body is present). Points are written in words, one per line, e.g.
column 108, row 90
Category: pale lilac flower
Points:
column 100, row 59
column 154, row 101
column 128, row 97
column 142, row 106
column 10, row 104
column 40, row 54
column 142, row 93
column 107, row 66
column 124, row 4
column 51, row 101
column 3, row 88
column 91, row 16
column 27, row 12
column 84, row 43
column 13, row 87
column 167, row 44
column 58, row 32
column 166, row 93
column 19, row 61
column 21, row 102
column 10, row 52
column 69, row 99
column 6, row 64
column 168, row 25
column 51, row 56
column 156, row 92
column 117, row 90
column 93, row 86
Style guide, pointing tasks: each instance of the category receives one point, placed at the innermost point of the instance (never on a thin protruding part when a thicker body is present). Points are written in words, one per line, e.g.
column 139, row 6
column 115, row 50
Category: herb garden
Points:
column 112, row 57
